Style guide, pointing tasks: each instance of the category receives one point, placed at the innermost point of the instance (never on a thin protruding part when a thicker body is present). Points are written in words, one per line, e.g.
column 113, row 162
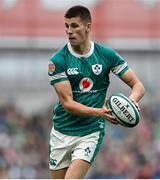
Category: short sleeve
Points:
column 56, row 69
column 119, row 65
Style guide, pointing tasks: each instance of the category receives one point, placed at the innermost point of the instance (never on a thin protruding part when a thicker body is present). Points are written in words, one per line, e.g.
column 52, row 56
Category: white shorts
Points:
column 64, row 149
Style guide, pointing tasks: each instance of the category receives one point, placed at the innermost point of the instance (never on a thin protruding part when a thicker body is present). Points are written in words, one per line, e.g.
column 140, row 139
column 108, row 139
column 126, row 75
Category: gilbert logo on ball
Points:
column 124, row 110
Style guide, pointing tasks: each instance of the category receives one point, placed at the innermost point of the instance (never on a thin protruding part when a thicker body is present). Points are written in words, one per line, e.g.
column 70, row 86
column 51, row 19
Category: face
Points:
column 77, row 31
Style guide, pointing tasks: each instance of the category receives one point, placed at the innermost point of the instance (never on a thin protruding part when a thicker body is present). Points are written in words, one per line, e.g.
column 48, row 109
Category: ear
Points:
column 88, row 27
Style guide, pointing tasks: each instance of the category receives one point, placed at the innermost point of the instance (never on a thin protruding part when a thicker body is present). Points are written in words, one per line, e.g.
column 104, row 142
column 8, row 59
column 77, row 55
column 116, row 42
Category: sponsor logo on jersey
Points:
column 86, row 84
column 51, row 67
column 97, row 68
column 72, row 71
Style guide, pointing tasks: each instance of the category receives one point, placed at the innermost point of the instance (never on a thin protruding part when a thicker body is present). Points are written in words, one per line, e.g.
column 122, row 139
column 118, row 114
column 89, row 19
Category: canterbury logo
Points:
column 72, row 71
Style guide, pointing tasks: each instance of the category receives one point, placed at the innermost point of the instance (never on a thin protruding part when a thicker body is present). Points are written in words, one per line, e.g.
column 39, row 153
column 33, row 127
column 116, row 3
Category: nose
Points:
column 69, row 30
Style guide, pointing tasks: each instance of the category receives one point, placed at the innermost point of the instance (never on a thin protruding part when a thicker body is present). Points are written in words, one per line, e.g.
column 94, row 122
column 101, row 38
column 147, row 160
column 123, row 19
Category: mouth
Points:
column 71, row 38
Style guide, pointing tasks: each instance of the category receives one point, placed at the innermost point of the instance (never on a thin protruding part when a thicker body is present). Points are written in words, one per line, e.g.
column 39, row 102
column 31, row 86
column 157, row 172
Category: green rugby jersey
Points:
column 89, row 78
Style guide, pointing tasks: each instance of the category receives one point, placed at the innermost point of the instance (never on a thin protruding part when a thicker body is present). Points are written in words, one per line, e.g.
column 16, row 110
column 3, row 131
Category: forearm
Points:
column 137, row 92
column 79, row 109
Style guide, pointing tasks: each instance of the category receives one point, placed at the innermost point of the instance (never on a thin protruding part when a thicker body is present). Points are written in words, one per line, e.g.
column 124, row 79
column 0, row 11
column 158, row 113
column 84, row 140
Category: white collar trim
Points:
column 81, row 55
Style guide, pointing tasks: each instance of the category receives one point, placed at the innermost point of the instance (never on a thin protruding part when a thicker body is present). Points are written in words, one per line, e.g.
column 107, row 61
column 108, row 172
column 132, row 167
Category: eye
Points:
column 74, row 25
column 66, row 25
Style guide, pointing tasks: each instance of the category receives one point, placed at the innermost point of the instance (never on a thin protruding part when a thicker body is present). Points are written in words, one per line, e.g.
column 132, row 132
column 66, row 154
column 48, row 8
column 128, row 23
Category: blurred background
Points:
column 30, row 32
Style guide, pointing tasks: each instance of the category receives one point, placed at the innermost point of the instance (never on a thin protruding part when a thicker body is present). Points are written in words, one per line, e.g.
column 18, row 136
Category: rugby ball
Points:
column 124, row 110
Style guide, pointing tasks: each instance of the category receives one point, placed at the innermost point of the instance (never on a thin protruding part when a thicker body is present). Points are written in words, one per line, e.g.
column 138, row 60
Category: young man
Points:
column 79, row 73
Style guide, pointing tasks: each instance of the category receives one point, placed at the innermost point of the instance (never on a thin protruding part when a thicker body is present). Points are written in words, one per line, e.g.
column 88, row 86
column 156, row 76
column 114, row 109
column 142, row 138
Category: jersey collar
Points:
column 83, row 55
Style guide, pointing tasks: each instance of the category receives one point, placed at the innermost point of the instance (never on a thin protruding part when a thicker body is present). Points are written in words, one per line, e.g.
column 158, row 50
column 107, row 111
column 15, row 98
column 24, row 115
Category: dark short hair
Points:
column 79, row 11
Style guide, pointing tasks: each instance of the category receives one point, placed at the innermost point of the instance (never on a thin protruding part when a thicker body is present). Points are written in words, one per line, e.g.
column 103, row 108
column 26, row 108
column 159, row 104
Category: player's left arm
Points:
column 131, row 79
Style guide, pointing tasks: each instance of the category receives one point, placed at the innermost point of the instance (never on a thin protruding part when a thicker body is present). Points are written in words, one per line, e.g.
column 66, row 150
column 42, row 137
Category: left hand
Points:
column 136, row 104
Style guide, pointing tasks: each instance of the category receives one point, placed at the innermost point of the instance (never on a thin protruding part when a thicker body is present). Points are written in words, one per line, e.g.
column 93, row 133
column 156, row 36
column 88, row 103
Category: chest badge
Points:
column 97, row 68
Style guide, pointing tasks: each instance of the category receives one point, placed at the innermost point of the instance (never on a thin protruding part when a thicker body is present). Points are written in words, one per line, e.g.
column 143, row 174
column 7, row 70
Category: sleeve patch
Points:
column 51, row 67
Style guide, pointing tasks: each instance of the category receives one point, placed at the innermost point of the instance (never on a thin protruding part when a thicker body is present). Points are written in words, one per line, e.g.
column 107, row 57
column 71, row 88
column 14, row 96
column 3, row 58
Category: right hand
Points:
column 106, row 113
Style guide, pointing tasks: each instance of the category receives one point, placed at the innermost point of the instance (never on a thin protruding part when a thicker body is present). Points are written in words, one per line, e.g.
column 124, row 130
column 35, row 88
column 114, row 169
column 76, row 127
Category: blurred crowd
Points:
column 23, row 144
column 126, row 152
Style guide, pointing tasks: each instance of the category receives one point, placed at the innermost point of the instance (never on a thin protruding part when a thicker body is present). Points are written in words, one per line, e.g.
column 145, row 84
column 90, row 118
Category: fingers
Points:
column 112, row 119
column 136, row 104
column 108, row 116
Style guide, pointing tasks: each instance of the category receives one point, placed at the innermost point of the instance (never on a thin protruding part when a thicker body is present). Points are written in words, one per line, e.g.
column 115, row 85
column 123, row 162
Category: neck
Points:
column 82, row 48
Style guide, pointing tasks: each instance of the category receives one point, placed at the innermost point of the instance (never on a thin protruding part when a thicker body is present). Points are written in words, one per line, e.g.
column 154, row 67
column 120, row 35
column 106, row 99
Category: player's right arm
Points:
column 64, row 92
